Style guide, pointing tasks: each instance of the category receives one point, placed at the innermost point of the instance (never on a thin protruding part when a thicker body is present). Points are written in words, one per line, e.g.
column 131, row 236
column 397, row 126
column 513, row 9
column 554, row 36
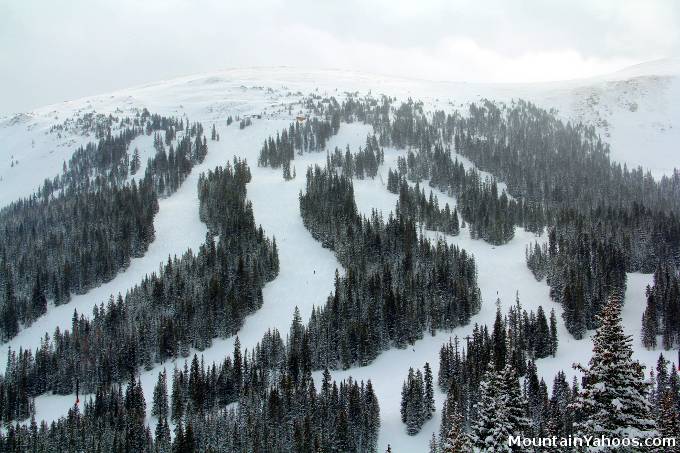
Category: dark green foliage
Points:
column 308, row 137
column 276, row 411
column 484, row 398
column 662, row 315
column 414, row 204
column 397, row 285
column 192, row 300
column 112, row 422
column 82, row 227
column 168, row 170
column 417, row 399
column 614, row 399
column 362, row 164
column 516, row 337
column 581, row 289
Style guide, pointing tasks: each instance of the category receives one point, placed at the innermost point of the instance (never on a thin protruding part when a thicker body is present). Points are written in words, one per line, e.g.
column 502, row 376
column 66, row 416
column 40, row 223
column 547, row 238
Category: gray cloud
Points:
column 51, row 51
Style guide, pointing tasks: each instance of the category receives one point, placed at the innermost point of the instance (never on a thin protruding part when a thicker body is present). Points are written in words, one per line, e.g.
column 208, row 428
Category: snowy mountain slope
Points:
column 307, row 270
column 634, row 110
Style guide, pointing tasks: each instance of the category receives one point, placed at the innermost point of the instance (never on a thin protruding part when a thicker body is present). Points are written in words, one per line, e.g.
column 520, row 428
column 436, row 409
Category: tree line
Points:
column 612, row 400
column 190, row 301
column 559, row 177
column 363, row 163
column 413, row 201
column 79, row 229
column 397, row 285
column 662, row 313
column 248, row 402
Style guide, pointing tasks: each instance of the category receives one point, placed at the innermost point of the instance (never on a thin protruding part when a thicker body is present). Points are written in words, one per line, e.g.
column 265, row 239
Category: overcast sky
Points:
column 56, row 50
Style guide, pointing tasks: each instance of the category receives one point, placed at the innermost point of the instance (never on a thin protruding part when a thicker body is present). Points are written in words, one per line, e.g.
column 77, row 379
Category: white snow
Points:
column 644, row 134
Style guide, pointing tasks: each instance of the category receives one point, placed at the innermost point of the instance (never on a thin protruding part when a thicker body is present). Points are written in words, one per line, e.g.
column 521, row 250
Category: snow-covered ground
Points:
column 638, row 109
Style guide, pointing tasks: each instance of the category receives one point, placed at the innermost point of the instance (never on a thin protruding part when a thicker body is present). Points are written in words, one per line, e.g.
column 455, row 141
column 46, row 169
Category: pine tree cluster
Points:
column 397, row 285
column 190, row 301
column 245, row 122
column 361, row 164
column 167, row 170
column 662, row 314
column 414, row 203
column 417, row 399
column 518, row 337
column 613, row 400
column 249, row 402
column 492, row 217
column 323, row 119
column 85, row 225
column 560, row 176
column 311, row 136
column 581, row 289
column 615, row 219
column 665, row 400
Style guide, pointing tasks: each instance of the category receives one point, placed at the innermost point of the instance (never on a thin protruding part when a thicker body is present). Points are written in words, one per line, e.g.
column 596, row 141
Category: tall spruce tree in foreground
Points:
column 456, row 441
column 613, row 401
column 514, row 407
column 489, row 429
column 500, row 412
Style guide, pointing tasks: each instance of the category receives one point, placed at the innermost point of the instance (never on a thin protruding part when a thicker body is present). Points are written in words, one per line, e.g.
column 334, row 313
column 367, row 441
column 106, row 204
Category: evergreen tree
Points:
column 489, row 431
column 513, row 405
column 414, row 407
column 135, row 162
column 543, row 344
column 162, row 436
column 456, row 441
column 669, row 421
column 553, row 333
column 177, row 398
column 500, row 351
column 159, row 407
column 613, row 401
column 429, row 392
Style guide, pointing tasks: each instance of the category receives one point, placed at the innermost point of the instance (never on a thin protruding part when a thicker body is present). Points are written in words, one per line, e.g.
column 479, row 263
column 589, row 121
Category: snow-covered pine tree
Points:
column 613, row 401
column 286, row 170
column 456, row 441
column 416, row 410
column 514, row 408
column 162, row 436
column 159, row 406
column 136, row 431
column 434, row 448
column 135, row 162
column 542, row 345
column 500, row 346
column 429, row 392
column 553, row 333
column 489, row 430
column 669, row 420
column 177, row 399
column 537, row 401
column 372, row 418
column 405, row 388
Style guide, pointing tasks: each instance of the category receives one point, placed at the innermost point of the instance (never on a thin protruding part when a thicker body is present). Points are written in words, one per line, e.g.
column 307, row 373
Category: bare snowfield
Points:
column 638, row 110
